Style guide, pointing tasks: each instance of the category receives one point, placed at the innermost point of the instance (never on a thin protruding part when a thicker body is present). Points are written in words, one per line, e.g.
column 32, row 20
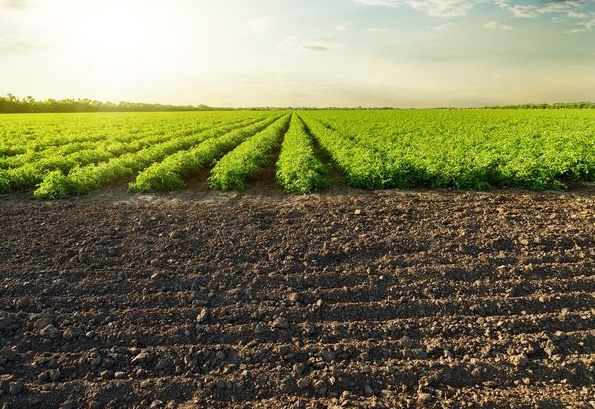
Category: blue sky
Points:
column 403, row 53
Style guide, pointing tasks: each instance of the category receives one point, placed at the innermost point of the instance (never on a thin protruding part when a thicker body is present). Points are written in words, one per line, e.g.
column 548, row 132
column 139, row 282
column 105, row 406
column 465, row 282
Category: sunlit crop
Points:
column 60, row 155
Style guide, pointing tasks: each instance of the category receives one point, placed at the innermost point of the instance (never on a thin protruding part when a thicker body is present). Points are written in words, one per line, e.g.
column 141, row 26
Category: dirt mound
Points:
column 352, row 299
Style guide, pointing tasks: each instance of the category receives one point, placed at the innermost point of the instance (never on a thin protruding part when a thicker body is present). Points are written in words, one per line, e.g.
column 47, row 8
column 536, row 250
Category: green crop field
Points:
column 59, row 155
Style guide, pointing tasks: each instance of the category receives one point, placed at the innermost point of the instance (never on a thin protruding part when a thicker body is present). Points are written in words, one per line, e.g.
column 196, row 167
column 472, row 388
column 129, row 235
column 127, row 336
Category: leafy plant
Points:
column 298, row 168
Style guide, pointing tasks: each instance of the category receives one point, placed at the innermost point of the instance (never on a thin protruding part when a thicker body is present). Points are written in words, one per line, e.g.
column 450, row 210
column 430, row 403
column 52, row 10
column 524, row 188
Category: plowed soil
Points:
column 347, row 299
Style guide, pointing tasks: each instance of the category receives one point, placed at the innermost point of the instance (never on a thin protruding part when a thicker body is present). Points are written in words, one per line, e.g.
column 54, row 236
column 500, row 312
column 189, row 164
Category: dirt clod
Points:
column 203, row 316
column 280, row 323
column 15, row 387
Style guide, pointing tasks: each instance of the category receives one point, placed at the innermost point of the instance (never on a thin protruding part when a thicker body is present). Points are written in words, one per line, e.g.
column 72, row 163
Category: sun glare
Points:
column 115, row 44
column 120, row 34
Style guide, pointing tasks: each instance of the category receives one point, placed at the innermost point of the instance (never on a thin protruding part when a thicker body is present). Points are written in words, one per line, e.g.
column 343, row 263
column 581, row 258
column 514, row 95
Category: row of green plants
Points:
column 72, row 154
column 248, row 159
column 32, row 170
column 83, row 179
column 361, row 166
column 28, row 170
column 464, row 149
column 299, row 170
column 33, row 134
column 171, row 173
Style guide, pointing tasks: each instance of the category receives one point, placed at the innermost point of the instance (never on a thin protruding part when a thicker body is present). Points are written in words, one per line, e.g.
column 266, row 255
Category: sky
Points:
column 317, row 53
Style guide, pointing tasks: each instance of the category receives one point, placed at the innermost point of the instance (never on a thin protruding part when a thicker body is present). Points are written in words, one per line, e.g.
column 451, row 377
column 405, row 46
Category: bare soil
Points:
column 348, row 299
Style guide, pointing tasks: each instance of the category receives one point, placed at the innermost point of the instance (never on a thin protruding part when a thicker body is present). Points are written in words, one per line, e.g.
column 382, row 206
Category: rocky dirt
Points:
column 347, row 299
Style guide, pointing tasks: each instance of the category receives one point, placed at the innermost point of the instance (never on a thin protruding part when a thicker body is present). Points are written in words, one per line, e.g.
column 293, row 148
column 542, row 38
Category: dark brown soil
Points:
column 261, row 300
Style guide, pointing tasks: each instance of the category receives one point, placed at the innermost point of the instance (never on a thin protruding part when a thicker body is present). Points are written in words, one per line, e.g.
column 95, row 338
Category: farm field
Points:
column 177, row 272
column 61, row 155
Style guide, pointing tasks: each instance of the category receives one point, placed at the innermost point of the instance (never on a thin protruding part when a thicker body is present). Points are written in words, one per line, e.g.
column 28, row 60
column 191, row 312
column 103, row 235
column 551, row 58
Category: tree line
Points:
column 10, row 104
column 555, row 105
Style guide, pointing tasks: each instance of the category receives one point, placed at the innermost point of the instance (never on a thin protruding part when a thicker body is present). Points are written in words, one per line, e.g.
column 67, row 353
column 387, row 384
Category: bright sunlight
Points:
column 114, row 44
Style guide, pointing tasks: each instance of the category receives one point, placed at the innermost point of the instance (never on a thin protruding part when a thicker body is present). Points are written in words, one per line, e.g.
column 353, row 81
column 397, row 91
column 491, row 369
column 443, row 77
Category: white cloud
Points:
column 455, row 8
column 296, row 43
column 520, row 11
column 443, row 8
column 387, row 3
column 583, row 26
column 260, row 25
column 437, row 8
column 289, row 43
column 443, row 27
column 344, row 26
column 574, row 14
column 15, row 4
column 378, row 30
column 317, row 46
column 558, row 11
column 589, row 24
column 496, row 25
column 568, row 7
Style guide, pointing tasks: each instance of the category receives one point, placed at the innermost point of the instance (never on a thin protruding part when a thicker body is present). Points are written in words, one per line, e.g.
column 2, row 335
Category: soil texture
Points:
column 347, row 299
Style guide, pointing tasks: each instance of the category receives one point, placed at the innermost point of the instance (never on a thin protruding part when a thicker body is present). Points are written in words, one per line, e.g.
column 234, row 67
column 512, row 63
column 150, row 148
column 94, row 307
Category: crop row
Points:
column 362, row 167
column 117, row 141
column 28, row 173
column 298, row 167
column 171, row 172
column 248, row 159
column 23, row 142
column 21, row 134
column 464, row 149
column 82, row 180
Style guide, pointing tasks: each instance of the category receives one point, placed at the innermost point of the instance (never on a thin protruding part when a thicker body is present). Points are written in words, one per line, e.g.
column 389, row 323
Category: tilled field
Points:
column 352, row 299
